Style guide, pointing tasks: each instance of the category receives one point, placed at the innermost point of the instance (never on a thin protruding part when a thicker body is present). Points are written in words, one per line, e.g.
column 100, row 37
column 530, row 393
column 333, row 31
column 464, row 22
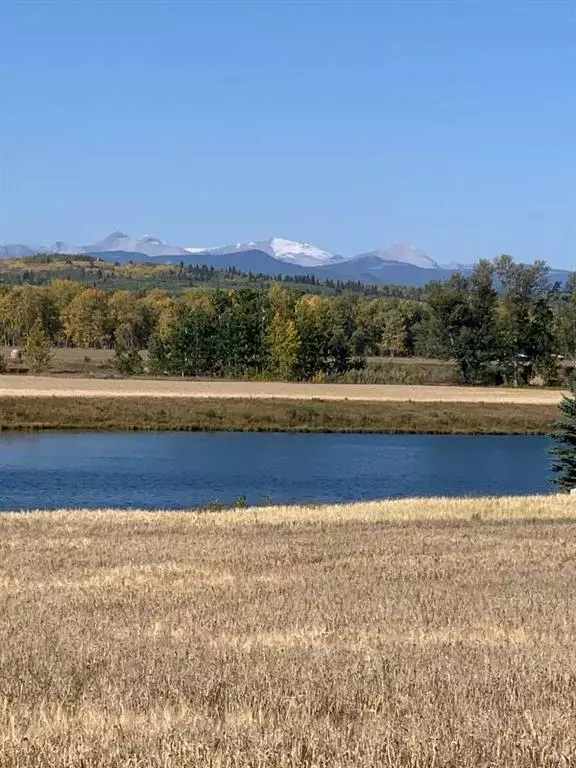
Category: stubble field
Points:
column 410, row 633
column 60, row 386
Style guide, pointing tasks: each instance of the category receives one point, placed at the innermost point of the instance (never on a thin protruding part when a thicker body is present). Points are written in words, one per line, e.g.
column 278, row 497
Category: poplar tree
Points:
column 37, row 351
column 283, row 346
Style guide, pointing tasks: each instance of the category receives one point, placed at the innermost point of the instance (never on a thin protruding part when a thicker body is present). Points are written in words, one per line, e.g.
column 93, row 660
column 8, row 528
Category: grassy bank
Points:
column 406, row 634
column 149, row 413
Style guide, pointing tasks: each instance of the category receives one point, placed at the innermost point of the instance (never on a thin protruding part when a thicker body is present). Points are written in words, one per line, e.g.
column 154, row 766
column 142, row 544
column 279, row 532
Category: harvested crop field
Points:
column 37, row 386
column 409, row 633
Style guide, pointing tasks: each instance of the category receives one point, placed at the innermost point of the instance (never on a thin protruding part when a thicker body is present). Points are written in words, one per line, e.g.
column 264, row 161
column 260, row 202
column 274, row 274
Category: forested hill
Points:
column 92, row 271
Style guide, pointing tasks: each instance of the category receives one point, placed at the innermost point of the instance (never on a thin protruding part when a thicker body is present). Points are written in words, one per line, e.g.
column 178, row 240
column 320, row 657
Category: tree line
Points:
column 504, row 323
column 276, row 332
column 42, row 269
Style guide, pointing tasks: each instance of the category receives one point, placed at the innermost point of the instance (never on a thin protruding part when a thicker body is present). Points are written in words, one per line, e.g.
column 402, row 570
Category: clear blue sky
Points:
column 449, row 125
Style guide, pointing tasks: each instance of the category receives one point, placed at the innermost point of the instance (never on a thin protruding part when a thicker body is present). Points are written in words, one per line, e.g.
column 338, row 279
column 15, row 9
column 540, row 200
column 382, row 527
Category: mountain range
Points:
column 290, row 251
column 398, row 264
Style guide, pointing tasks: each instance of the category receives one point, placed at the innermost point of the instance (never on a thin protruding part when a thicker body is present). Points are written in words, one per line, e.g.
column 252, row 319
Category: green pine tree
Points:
column 564, row 450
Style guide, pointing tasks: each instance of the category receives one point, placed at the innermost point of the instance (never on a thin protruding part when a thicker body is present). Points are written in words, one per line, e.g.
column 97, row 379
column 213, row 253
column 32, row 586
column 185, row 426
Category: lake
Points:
column 176, row 470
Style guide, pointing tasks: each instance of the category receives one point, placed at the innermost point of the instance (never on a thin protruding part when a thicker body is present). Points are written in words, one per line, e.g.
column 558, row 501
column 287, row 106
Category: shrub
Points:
column 128, row 362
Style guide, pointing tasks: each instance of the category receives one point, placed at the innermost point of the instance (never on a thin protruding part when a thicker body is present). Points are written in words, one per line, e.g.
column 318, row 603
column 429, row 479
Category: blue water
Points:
column 178, row 470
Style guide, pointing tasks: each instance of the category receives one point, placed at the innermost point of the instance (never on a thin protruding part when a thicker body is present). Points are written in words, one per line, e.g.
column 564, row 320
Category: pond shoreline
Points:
column 273, row 415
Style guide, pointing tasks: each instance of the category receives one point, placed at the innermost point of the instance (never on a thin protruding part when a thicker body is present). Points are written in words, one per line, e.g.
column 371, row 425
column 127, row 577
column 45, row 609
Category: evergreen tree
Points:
column 564, row 450
column 565, row 320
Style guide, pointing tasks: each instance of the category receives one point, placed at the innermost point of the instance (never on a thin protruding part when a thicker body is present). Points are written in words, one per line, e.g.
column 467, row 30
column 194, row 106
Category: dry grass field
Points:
column 399, row 634
column 72, row 361
column 268, row 415
column 38, row 386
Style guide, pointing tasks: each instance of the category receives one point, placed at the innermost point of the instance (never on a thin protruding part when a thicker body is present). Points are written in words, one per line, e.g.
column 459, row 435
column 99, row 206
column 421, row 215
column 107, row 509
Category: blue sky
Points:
column 449, row 125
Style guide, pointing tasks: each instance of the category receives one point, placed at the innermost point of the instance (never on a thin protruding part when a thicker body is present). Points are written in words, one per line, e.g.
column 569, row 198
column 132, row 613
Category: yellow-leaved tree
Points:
column 87, row 319
column 283, row 347
column 37, row 349
column 130, row 320
column 312, row 320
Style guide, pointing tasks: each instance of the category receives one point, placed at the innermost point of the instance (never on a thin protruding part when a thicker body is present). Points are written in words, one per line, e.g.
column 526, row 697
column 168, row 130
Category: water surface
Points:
column 177, row 470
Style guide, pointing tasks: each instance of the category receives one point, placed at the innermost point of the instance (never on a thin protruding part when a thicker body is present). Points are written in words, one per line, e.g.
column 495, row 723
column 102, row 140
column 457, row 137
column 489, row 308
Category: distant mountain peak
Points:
column 66, row 248
column 291, row 251
column 397, row 264
column 402, row 253
column 148, row 245
column 296, row 252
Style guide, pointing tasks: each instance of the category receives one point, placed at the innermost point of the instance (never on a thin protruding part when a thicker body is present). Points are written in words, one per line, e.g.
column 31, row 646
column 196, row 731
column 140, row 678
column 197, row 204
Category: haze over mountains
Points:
column 399, row 264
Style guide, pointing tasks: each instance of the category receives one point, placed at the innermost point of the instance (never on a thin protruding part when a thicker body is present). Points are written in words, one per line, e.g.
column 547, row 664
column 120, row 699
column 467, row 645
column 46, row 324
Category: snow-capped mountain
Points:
column 398, row 264
column 304, row 254
column 147, row 245
column 401, row 253
column 290, row 251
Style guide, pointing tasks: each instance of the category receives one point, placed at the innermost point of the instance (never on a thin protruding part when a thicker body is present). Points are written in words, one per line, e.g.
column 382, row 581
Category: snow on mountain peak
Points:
column 304, row 254
column 291, row 251
column 147, row 245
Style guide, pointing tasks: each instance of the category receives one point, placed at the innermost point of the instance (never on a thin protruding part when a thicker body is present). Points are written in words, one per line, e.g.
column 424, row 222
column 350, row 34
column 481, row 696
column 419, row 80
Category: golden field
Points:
column 411, row 633
column 61, row 386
